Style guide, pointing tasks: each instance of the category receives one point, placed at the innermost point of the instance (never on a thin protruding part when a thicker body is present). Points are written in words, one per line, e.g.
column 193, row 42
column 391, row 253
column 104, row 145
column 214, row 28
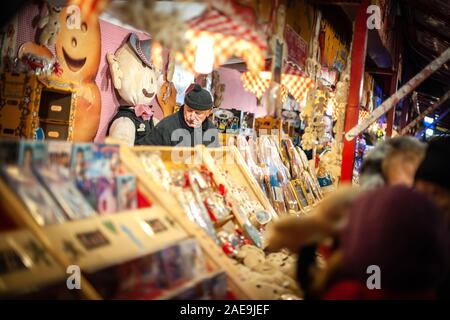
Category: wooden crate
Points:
column 27, row 103
column 18, row 110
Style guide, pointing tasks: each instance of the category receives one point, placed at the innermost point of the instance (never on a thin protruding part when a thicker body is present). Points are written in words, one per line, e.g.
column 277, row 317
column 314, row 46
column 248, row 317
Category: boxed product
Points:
column 105, row 160
column 81, row 160
column 105, row 195
column 59, row 153
column 193, row 258
column 32, row 153
column 126, row 192
column 173, row 265
column 33, row 195
column 65, row 193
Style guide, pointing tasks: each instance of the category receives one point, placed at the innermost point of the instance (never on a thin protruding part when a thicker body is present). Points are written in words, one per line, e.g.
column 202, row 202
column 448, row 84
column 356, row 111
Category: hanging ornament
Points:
column 229, row 37
column 166, row 28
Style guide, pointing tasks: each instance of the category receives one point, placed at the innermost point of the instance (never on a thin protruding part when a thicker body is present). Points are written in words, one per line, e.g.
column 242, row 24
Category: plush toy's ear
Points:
column 114, row 68
column 43, row 21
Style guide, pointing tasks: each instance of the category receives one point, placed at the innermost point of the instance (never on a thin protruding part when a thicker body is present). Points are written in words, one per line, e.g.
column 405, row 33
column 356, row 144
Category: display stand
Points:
column 229, row 159
column 98, row 243
column 23, row 219
column 156, row 193
column 26, row 266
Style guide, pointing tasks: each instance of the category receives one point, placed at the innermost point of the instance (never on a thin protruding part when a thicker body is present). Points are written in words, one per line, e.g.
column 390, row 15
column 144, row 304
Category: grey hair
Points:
column 371, row 175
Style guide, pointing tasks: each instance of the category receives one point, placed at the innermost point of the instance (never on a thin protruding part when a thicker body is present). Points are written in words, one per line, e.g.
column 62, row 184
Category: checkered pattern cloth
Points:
column 334, row 105
column 293, row 81
column 284, row 93
column 296, row 82
column 230, row 38
column 363, row 114
column 257, row 83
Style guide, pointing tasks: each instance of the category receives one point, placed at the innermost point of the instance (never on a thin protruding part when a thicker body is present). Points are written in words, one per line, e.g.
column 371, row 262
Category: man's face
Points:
column 195, row 118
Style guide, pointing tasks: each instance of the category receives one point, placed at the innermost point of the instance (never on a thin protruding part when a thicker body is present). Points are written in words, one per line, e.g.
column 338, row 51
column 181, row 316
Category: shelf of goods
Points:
column 27, row 268
column 282, row 172
column 139, row 253
column 212, row 194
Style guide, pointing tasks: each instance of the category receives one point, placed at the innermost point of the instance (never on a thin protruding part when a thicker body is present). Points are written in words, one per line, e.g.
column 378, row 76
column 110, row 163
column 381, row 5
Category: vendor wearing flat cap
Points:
column 189, row 126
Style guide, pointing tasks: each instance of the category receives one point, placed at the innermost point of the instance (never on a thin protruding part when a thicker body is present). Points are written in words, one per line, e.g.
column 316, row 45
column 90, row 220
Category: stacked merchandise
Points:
column 226, row 213
column 282, row 172
column 303, row 178
column 271, row 174
column 233, row 121
column 207, row 203
column 179, row 271
column 58, row 181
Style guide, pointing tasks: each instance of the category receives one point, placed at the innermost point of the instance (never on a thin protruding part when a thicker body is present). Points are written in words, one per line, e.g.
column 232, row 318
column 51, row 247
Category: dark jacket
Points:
column 144, row 128
column 173, row 131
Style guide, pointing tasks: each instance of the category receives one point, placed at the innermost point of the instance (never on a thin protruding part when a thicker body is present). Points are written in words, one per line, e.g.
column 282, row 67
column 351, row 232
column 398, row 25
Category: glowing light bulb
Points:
column 204, row 56
column 428, row 120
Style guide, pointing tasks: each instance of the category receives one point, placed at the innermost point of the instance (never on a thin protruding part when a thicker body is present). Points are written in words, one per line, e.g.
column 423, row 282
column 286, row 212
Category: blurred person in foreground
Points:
column 316, row 236
column 391, row 162
column 433, row 179
column 400, row 231
column 394, row 227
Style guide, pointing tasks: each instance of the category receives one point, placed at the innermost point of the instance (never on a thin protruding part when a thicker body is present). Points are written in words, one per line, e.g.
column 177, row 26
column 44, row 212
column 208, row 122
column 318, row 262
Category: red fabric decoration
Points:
column 142, row 201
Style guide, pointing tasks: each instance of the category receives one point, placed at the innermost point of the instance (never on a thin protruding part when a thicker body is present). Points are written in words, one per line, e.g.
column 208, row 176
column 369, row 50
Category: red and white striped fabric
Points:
column 230, row 38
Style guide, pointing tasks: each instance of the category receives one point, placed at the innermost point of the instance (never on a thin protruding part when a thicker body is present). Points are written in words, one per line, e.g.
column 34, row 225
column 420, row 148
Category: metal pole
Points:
column 431, row 108
column 358, row 56
column 400, row 94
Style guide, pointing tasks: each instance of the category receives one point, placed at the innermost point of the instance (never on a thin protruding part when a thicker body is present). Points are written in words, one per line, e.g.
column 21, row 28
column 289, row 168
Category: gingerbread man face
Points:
column 78, row 46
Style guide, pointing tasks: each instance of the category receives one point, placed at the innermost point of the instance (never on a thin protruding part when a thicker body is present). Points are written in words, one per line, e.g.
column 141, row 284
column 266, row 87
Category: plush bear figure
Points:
column 50, row 26
column 136, row 80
